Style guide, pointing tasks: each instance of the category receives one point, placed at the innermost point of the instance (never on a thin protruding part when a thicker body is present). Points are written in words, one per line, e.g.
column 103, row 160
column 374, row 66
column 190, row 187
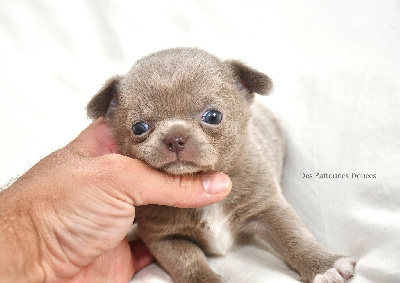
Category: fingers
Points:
column 141, row 255
column 145, row 185
column 95, row 140
column 116, row 265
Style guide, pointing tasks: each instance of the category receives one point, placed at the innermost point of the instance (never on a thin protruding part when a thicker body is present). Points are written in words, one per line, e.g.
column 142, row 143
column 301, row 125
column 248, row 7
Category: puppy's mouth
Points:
column 179, row 167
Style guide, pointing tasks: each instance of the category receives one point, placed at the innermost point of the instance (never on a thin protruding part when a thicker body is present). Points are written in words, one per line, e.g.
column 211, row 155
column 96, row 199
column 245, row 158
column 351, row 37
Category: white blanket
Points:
column 336, row 69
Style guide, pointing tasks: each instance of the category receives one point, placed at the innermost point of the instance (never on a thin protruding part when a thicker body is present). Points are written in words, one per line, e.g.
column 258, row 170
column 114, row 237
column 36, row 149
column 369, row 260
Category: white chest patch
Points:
column 219, row 235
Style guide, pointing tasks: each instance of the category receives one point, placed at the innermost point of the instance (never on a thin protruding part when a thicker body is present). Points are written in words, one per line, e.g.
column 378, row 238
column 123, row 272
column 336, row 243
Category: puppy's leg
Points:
column 280, row 226
column 184, row 261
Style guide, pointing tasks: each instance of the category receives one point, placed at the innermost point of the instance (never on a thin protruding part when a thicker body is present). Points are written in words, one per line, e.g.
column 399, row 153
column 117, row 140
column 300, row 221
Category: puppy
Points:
column 184, row 111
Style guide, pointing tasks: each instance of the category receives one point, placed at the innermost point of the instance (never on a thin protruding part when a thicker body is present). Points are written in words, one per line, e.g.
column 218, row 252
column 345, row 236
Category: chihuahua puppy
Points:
column 184, row 111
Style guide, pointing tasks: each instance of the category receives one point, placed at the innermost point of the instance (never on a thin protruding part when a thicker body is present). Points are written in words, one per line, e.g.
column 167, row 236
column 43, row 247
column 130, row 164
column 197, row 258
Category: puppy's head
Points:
column 181, row 110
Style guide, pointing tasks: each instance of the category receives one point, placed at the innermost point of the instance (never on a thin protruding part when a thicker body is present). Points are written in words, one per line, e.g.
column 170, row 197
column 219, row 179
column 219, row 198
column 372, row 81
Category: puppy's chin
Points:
column 183, row 167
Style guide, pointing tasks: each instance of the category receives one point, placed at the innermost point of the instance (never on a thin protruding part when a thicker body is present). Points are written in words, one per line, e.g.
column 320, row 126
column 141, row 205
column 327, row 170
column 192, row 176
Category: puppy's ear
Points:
column 249, row 80
column 105, row 102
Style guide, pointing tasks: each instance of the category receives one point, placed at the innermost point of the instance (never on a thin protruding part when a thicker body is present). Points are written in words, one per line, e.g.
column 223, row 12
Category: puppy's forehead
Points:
column 175, row 80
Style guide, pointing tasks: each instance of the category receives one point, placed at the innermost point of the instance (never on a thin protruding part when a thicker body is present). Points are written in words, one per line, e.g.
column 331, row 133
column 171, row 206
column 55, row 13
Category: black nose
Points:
column 175, row 143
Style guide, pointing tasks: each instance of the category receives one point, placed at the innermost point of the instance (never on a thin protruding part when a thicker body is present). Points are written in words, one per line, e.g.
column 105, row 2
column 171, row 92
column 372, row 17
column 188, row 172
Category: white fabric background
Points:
column 336, row 69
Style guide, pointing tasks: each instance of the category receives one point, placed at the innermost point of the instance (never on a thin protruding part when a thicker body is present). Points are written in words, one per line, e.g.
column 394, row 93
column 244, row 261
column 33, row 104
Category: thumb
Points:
column 145, row 185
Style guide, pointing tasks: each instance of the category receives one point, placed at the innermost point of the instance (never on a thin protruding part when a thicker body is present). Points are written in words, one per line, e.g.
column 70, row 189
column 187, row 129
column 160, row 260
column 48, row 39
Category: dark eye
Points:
column 140, row 128
column 212, row 117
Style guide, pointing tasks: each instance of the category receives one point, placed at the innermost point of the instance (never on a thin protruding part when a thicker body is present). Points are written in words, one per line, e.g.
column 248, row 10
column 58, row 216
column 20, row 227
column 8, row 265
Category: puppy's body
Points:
column 191, row 112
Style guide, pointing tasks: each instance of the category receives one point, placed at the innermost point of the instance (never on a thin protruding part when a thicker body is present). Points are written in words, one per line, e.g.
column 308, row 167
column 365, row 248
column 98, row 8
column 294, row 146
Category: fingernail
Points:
column 215, row 183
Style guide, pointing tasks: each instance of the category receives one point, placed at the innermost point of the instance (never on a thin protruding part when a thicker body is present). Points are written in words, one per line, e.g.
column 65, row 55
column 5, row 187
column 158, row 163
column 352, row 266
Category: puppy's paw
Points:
column 204, row 278
column 342, row 270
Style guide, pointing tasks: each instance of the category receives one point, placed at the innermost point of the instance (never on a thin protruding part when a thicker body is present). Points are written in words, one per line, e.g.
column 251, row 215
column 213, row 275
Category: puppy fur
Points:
column 171, row 91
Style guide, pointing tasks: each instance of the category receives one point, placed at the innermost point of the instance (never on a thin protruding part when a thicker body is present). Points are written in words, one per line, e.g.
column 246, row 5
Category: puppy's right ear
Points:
column 105, row 102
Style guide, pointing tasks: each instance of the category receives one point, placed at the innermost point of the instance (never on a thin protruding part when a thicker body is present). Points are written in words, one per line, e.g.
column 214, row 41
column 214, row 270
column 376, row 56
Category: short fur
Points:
column 171, row 90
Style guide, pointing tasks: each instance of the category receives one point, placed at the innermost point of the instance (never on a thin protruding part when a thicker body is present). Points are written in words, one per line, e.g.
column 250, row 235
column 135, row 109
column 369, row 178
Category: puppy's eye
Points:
column 140, row 128
column 212, row 117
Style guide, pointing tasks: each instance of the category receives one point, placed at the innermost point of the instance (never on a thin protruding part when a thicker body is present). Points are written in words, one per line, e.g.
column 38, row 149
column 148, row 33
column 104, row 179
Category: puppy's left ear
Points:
column 249, row 80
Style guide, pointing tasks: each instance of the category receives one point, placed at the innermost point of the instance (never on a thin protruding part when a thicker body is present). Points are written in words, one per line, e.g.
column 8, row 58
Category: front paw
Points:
column 342, row 270
column 202, row 277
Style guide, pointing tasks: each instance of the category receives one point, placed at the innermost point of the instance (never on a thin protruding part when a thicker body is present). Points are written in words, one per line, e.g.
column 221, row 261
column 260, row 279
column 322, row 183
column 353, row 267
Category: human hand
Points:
column 67, row 217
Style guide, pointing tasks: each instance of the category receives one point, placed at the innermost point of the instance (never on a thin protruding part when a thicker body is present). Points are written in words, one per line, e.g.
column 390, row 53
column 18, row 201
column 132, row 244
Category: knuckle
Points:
column 110, row 160
column 106, row 167
column 114, row 163
column 186, row 183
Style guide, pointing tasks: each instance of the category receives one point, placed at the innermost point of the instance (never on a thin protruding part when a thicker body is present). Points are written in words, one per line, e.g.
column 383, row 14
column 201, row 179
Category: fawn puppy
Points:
column 185, row 111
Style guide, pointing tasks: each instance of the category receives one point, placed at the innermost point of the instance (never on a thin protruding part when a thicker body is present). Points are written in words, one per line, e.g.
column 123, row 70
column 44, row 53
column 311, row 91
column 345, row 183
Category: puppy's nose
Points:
column 175, row 143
